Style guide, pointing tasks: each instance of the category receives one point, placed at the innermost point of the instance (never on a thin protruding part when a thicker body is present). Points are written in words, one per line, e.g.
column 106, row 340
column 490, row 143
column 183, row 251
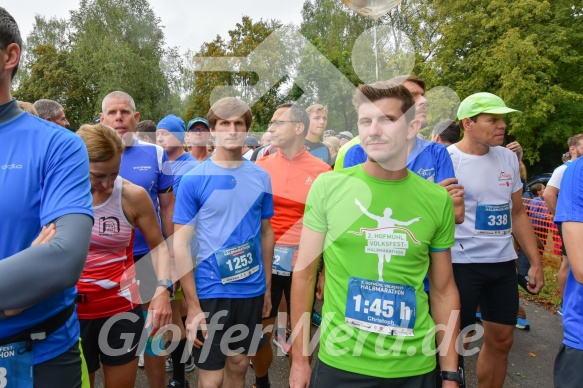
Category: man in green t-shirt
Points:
column 379, row 227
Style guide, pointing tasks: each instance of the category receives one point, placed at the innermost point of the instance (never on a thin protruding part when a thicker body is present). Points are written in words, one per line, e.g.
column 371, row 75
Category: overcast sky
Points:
column 187, row 23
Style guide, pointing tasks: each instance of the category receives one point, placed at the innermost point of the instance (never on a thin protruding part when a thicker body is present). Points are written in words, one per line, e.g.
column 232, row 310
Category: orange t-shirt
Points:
column 291, row 181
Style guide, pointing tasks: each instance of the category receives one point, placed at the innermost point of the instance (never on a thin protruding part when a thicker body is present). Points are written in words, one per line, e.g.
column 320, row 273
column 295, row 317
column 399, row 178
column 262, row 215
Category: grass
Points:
column 549, row 295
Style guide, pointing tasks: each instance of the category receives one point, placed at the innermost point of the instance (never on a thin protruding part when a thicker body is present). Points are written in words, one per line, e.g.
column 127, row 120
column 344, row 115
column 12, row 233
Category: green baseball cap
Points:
column 482, row 103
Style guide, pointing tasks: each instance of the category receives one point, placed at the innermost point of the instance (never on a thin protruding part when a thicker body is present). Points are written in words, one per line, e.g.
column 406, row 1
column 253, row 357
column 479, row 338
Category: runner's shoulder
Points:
column 431, row 187
column 46, row 131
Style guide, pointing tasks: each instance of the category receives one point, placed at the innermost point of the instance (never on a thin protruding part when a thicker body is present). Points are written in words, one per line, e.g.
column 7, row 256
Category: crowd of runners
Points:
column 203, row 249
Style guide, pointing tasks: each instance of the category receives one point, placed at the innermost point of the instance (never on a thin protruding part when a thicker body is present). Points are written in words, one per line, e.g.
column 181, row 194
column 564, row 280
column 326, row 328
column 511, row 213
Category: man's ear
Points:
column 466, row 123
column 413, row 130
column 137, row 116
column 12, row 54
column 300, row 128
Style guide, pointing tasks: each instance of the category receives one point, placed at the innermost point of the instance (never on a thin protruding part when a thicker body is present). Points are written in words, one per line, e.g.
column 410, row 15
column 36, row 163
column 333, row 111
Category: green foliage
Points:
column 51, row 76
column 332, row 28
column 104, row 46
column 119, row 46
column 241, row 43
column 526, row 51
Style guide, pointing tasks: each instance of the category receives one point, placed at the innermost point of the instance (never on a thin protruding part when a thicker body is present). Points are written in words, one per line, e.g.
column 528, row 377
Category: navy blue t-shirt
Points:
column 44, row 175
column 319, row 150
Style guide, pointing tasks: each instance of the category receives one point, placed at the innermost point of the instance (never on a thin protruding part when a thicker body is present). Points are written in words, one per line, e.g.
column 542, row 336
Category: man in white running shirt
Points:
column 483, row 254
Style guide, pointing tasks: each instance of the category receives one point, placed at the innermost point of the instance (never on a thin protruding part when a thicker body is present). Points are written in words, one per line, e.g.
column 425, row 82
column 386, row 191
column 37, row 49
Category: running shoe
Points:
column 281, row 342
column 175, row 384
column 316, row 319
column 522, row 324
column 169, row 364
column 189, row 366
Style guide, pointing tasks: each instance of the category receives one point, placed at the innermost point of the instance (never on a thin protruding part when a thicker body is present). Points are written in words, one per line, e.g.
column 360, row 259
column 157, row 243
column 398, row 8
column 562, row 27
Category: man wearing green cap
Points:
column 483, row 254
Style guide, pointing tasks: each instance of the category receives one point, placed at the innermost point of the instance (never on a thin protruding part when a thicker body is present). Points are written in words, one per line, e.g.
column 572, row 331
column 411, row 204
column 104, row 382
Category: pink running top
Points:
column 108, row 285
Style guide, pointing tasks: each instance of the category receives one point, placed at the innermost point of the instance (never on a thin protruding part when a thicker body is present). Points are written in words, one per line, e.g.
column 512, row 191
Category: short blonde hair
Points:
column 333, row 142
column 315, row 108
column 102, row 142
column 27, row 107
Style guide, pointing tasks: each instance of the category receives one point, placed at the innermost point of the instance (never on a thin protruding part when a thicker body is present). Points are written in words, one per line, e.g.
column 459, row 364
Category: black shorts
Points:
column 62, row 371
column 146, row 275
column 492, row 286
column 280, row 286
column 568, row 372
column 563, row 249
column 324, row 375
column 236, row 329
column 116, row 340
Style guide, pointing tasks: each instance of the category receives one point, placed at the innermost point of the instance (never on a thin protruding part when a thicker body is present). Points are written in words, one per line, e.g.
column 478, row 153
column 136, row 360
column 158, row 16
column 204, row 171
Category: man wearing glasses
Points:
column 292, row 170
column 197, row 136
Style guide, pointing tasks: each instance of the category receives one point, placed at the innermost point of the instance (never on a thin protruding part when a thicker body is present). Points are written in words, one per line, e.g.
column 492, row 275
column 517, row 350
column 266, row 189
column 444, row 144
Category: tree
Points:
column 332, row 28
column 119, row 46
column 246, row 64
column 527, row 51
column 51, row 76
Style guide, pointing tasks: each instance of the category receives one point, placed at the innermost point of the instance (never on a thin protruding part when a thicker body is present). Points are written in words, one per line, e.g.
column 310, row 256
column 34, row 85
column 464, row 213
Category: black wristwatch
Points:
column 166, row 283
column 451, row 376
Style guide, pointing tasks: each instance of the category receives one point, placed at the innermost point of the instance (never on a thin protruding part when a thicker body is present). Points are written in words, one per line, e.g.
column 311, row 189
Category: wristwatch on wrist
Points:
column 451, row 376
column 166, row 283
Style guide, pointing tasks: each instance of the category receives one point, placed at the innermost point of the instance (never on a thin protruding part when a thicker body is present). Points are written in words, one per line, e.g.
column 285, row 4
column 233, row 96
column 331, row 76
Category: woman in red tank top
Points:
column 108, row 304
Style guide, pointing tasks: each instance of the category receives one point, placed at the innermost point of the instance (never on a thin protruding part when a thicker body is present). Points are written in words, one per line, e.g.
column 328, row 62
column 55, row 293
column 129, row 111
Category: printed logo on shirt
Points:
column 109, row 226
column 389, row 239
column 309, row 181
column 143, row 168
column 504, row 179
column 504, row 176
column 12, row 166
column 427, row 174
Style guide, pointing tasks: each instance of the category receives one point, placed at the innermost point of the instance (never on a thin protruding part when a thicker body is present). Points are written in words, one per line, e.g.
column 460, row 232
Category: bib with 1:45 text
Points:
column 381, row 307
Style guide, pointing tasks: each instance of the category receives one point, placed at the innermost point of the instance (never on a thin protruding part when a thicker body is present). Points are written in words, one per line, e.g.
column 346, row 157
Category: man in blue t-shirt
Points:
column 221, row 220
column 429, row 160
column 170, row 134
column 569, row 214
column 44, row 175
column 142, row 164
